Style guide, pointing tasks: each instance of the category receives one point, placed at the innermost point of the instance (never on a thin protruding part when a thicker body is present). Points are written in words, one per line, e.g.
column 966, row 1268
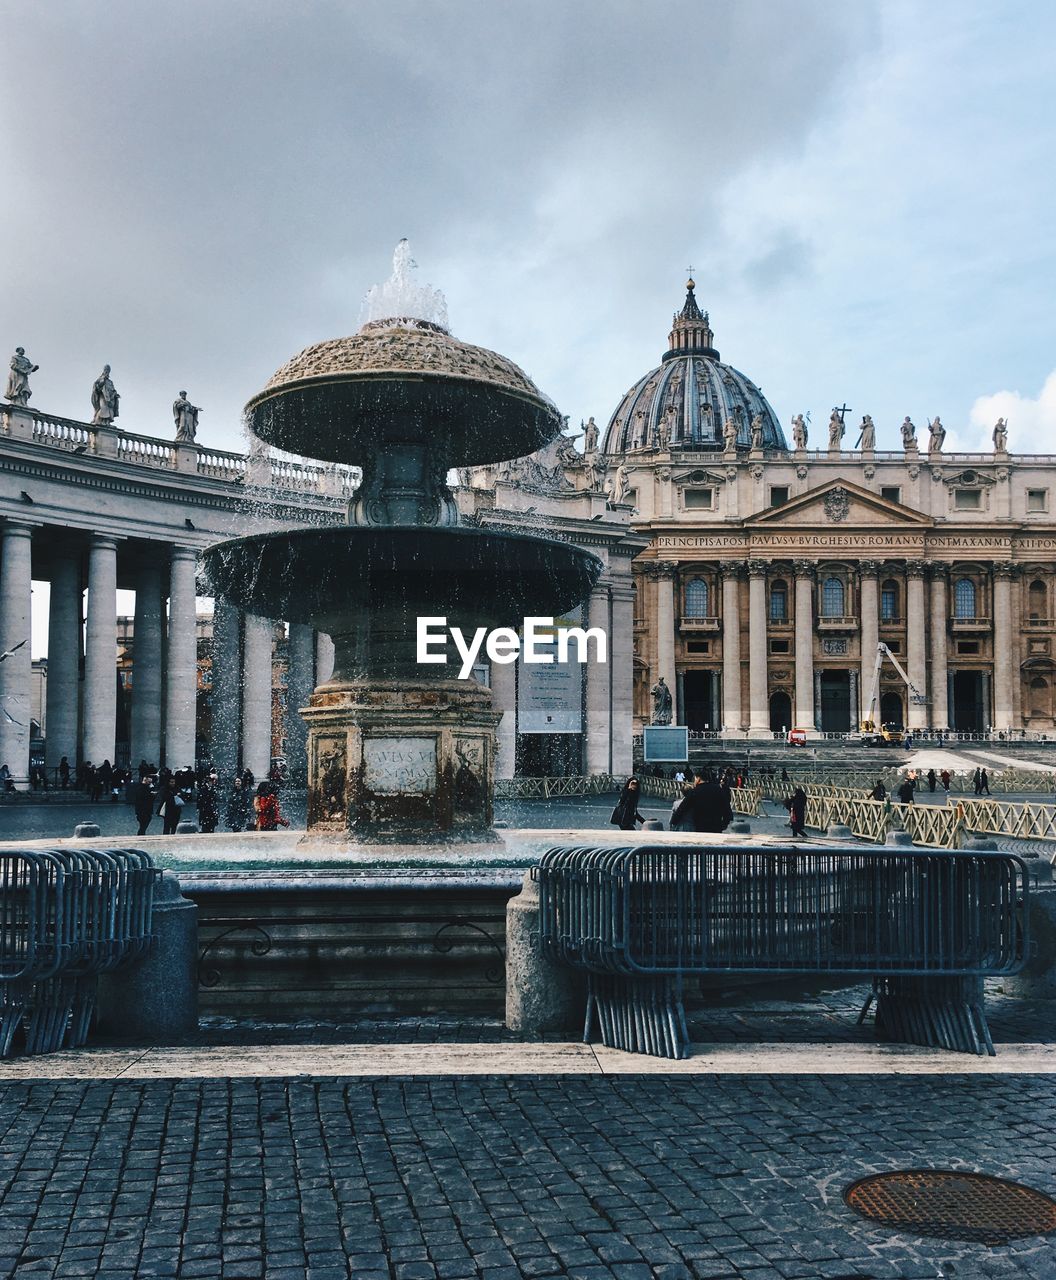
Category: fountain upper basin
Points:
column 341, row 400
column 330, row 577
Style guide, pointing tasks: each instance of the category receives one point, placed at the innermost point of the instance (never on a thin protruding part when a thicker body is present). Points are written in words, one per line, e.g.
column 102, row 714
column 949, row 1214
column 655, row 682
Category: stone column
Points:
column 16, row 670
column 758, row 703
column 621, row 659
column 916, row 657
column 64, row 662
column 665, row 628
column 504, row 700
column 226, row 695
column 1004, row 667
column 300, row 682
column 148, row 642
column 181, row 675
column 599, row 688
column 324, row 658
column 804, row 713
column 100, row 653
column 869, row 605
column 939, row 707
column 256, row 695
column 732, row 720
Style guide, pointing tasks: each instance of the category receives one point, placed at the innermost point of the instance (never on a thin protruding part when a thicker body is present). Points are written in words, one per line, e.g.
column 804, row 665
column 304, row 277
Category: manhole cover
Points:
column 953, row 1205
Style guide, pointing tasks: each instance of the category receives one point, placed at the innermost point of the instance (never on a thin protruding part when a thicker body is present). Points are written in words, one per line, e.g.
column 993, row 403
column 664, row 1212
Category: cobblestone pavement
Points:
column 633, row 1178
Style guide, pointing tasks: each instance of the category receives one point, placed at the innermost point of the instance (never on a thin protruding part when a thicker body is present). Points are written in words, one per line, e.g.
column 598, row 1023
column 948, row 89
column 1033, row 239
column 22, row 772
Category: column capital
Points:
column 804, row 568
column 19, row 528
column 661, row 569
column 916, row 569
column 939, row 572
column 183, row 553
column 105, row 541
column 1005, row 570
column 732, row 570
column 868, row 568
column 758, row 568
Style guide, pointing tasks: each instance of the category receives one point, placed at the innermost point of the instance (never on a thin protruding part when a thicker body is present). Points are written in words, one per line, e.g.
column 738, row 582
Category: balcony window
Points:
column 889, row 601
column 1037, row 600
column 699, row 499
column 964, row 598
column 779, row 602
column 696, row 598
column 832, row 598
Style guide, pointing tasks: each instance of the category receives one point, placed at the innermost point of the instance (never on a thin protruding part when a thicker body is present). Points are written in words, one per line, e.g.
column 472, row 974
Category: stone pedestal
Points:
column 155, row 1000
column 401, row 761
column 540, row 995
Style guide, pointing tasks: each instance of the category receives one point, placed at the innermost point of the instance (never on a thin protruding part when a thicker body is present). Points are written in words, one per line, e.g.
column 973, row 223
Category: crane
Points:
column 874, row 734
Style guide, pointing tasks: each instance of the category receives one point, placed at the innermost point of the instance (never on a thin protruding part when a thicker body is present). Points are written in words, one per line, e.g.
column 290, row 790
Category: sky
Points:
column 194, row 192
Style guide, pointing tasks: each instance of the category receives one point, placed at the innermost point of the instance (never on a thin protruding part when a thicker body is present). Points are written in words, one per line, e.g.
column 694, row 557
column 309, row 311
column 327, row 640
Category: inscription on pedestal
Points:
column 400, row 766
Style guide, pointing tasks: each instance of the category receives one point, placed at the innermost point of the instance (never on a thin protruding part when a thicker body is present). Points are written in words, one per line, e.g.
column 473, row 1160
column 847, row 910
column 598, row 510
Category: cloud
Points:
column 1031, row 421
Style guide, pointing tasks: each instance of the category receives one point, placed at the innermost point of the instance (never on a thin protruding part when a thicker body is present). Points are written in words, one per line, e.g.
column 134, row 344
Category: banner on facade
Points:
column 550, row 695
column 665, row 744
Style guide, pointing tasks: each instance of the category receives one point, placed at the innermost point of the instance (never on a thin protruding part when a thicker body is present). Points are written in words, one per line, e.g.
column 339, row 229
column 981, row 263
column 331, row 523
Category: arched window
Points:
column 832, row 596
column 889, row 601
column 696, row 598
column 779, row 601
column 964, row 598
column 1038, row 602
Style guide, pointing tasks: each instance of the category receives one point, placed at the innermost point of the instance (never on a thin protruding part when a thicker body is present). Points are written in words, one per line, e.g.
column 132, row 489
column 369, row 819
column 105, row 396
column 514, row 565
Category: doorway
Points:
column 891, row 709
column 699, row 700
column 969, row 711
column 835, row 701
column 780, row 712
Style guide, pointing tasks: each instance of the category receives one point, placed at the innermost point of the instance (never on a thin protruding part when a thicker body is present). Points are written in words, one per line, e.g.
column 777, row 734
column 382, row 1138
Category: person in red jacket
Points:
column 266, row 806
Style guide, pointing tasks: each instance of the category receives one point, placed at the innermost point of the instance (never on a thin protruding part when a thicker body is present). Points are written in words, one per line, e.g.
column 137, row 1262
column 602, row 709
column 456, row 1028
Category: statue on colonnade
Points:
column 909, row 434
column 590, row 435
column 185, row 416
column 937, row 433
column 1000, row 436
column 799, row 431
column 867, row 436
column 105, row 399
column 18, row 391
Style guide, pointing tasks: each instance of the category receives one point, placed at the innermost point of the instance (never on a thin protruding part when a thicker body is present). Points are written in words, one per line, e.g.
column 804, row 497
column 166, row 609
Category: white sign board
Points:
column 665, row 744
column 550, row 695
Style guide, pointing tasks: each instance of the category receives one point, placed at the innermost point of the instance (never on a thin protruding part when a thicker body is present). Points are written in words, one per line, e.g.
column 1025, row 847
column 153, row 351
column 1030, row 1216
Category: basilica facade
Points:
column 772, row 571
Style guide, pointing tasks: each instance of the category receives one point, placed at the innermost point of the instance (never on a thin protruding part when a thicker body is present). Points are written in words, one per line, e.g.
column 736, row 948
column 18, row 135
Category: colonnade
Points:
column 80, row 715
column 925, row 624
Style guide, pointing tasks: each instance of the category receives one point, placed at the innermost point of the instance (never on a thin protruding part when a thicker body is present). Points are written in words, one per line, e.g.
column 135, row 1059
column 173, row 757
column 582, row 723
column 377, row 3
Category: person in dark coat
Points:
column 879, row 792
column 238, row 802
column 984, row 782
column 208, row 804
column 797, row 812
column 626, row 814
column 932, row 779
column 170, row 803
column 143, row 801
column 905, row 792
column 705, row 807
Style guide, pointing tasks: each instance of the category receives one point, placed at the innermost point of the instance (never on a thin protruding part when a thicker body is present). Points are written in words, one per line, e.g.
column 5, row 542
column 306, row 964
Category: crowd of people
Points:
column 242, row 805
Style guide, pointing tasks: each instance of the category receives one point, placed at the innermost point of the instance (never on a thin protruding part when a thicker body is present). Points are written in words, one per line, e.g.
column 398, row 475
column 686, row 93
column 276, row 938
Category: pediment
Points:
column 842, row 504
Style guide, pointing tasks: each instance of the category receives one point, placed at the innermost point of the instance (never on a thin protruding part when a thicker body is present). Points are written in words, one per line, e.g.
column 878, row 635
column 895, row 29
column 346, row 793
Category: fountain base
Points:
column 400, row 762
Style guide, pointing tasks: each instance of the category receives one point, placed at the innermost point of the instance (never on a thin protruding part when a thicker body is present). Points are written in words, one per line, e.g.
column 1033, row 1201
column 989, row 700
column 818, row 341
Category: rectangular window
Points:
column 891, row 492
column 967, row 499
column 1037, row 499
column 778, row 604
column 698, row 499
column 888, row 604
column 895, row 646
column 780, row 646
column 699, row 646
column 778, row 495
column 968, row 647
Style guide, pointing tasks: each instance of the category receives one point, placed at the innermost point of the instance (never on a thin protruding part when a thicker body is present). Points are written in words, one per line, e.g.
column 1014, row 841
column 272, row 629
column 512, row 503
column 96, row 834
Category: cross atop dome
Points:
column 690, row 330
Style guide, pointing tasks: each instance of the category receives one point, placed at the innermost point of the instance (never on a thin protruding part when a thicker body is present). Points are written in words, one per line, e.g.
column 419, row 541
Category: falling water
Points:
column 401, row 298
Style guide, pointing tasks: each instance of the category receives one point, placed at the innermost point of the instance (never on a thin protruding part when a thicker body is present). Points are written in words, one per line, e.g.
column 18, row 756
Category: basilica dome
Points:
column 685, row 403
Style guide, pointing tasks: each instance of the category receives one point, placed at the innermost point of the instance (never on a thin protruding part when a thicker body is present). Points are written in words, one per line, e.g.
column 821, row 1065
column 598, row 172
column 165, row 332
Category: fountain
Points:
column 401, row 753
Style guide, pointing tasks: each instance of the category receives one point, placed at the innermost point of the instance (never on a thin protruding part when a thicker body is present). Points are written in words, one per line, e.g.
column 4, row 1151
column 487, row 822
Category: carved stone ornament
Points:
column 914, row 471
column 1006, row 570
column 781, row 677
column 731, row 473
column 801, row 471
column 869, row 472
column 758, row 568
column 732, row 569
column 837, row 503
column 915, row 568
column 833, row 645
column 804, row 568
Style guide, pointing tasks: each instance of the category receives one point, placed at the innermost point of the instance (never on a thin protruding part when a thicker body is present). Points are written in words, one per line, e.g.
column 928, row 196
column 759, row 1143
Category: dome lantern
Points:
column 690, row 330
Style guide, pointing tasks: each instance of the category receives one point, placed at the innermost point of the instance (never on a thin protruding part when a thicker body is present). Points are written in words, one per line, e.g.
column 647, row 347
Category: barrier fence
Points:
column 65, row 917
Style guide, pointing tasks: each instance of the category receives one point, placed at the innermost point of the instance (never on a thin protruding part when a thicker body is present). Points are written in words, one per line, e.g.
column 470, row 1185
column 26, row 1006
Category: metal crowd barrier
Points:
column 641, row 919
column 66, row 915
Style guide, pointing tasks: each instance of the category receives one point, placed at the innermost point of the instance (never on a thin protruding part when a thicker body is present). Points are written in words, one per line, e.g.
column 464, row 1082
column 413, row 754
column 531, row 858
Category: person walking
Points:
column 143, row 803
column 932, row 779
column 879, row 792
column 208, row 804
column 266, row 805
column 905, row 791
column 705, row 807
column 984, row 782
column 64, row 773
column 976, row 784
column 626, row 814
column 170, row 803
column 797, row 812
column 944, row 778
